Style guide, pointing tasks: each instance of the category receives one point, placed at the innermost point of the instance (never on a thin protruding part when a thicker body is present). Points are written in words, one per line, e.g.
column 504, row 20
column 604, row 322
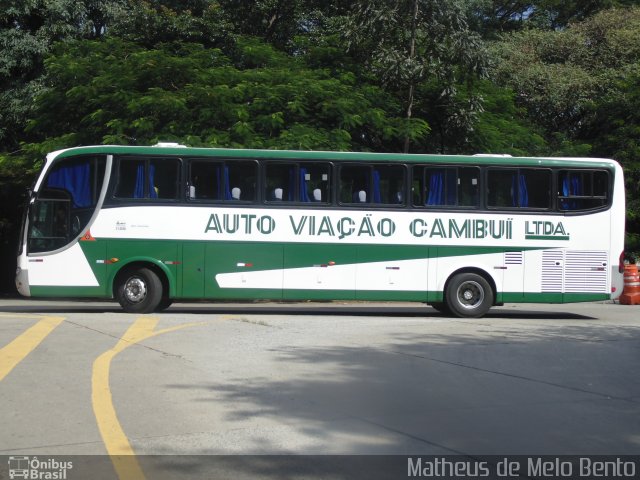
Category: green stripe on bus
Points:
column 57, row 291
column 333, row 156
column 294, row 255
column 553, row 297
column 546, row 237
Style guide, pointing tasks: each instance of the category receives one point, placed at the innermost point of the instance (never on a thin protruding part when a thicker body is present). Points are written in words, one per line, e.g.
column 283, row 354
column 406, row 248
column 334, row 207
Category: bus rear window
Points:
column 582, row 189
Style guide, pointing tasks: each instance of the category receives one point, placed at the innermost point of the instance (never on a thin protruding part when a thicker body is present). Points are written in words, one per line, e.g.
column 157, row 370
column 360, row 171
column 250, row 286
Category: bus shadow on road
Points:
column 290, row 308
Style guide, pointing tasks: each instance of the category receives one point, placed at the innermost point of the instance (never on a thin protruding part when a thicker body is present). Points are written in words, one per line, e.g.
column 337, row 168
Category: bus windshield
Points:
column 65, row 202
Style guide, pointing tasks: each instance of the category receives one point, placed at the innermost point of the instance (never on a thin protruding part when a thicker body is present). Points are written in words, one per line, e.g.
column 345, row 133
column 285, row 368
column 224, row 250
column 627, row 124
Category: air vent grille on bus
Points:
column 586, row 271
column 552, row 270
column 513, row 258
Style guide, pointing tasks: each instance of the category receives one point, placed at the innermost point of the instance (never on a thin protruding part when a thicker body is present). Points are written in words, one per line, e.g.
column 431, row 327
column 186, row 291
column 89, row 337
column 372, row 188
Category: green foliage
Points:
column 493, row 17
column 616, row 132
column 502, row 126
column 559, row 76
column 113, row 91
column 418, row 42
column 150, row 23
column 27, row 31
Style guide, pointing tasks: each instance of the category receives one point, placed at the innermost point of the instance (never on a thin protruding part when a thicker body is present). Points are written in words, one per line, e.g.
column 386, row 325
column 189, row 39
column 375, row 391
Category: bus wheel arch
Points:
column 140, row 287
column 469, row 292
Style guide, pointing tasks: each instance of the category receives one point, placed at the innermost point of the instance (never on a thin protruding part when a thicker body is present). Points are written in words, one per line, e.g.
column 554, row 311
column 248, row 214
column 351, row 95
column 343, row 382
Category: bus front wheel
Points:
column 469, row 295
column 139, row 291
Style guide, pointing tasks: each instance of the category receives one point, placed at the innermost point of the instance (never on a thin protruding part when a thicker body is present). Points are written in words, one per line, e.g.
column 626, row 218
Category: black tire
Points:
column 165, row 303
column 139, row 290
column 469, row 295
column 440, row 307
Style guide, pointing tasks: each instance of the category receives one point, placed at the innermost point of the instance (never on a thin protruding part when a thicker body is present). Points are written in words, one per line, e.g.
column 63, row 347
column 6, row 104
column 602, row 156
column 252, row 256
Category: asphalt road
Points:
column 83, row 378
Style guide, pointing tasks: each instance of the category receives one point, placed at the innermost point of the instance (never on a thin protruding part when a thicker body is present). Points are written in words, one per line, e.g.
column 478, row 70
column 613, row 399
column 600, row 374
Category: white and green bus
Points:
column 150, row 225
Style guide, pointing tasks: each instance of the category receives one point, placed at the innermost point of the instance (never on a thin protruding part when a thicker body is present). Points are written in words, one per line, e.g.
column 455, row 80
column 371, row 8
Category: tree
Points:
column 415, row 41
column 27, row 31
column 114, row 91
column 581, row 86
column 615, row 132
column 494, row 17
column 559, row 76
column 150, row 23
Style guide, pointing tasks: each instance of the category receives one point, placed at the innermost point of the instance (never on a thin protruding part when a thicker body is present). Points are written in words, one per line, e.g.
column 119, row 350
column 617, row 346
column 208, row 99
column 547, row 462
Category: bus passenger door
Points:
column 319, row 272
column 243, row 270
column 193, row 265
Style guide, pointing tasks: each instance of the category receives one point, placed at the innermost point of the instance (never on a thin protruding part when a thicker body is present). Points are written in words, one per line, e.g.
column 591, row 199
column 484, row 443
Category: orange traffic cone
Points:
column 631, row 292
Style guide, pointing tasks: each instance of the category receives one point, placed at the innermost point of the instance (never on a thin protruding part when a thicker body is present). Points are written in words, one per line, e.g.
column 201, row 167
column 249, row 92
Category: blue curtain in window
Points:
column 519, row 193
column 76, row 180
column 523, row 194
column 576, row 185
column 138, row 190
column 571, row 185
column 152, row 186
column 564, row 203
column 377, row 198
column 436, row 188
column 304, row 195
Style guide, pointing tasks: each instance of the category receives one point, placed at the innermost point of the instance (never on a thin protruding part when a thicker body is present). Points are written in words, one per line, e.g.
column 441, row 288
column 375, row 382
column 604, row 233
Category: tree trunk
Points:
column 412, row 54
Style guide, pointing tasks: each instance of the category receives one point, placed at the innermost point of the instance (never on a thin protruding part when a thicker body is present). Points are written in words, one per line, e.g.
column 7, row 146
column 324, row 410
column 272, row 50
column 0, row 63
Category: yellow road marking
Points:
column 16, row 351
column 114, row 438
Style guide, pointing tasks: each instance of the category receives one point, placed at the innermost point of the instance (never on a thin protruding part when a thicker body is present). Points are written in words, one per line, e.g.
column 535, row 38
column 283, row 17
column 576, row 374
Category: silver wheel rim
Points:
column 470, row 295
column 135, row 290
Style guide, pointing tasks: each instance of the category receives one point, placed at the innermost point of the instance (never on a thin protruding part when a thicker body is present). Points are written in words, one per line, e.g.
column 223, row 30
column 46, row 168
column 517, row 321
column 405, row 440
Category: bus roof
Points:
column 166, row 149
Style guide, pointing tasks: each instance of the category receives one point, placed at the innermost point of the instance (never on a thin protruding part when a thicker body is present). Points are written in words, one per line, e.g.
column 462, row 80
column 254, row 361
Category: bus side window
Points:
column 468, row 182
column 519, row 188
column 241, row 179
column 314, row 182
column 388, row 185
column 205, row 180
column 354, row 184
column 228, row 181
column 156, row 178
column 130, row 178
column 280, row 182
column 538, row 185
column 582, row 189
column 297, row 182
column 500, row 191
column 445, row 186
column 164, row 177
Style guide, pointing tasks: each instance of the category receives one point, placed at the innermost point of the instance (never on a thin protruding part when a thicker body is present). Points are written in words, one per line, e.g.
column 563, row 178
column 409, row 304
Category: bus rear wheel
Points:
column 469, row 295
column 139, row 290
